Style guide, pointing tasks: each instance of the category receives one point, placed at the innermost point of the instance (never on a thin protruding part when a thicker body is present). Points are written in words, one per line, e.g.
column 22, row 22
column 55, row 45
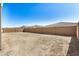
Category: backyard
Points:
column 32, row 44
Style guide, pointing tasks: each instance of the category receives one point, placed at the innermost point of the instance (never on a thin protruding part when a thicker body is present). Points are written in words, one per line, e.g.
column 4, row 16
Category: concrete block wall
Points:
column 0, row 26
column 71, row 30
column 39, row 30
column 12, row 30
column 78, row 31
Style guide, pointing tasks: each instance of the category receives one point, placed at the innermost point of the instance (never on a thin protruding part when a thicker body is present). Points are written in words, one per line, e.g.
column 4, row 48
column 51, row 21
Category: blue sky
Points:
column 18, row 14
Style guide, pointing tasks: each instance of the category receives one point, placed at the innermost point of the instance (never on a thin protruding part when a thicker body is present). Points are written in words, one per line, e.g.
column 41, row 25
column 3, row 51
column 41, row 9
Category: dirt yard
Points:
column 31, row 44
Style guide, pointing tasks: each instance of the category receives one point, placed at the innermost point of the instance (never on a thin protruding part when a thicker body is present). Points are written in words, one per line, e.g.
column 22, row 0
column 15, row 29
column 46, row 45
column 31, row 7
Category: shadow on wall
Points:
column 73, row 49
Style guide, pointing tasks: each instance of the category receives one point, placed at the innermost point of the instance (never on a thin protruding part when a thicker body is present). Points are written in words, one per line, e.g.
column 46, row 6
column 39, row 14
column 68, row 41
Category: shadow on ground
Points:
column 73, row 49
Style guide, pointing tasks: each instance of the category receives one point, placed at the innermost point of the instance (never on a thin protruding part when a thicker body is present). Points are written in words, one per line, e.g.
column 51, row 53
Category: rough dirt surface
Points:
column 31, row 44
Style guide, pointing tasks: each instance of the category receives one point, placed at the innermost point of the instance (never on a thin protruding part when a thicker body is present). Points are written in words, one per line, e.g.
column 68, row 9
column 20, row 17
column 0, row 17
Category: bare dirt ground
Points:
column 31, row 44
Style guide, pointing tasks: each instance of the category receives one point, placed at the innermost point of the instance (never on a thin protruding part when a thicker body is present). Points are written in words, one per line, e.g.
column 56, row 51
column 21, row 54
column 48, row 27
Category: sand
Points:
column 32, row 44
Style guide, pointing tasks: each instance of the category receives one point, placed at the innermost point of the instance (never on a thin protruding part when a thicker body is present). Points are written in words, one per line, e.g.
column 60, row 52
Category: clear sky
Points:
column 18, row 14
